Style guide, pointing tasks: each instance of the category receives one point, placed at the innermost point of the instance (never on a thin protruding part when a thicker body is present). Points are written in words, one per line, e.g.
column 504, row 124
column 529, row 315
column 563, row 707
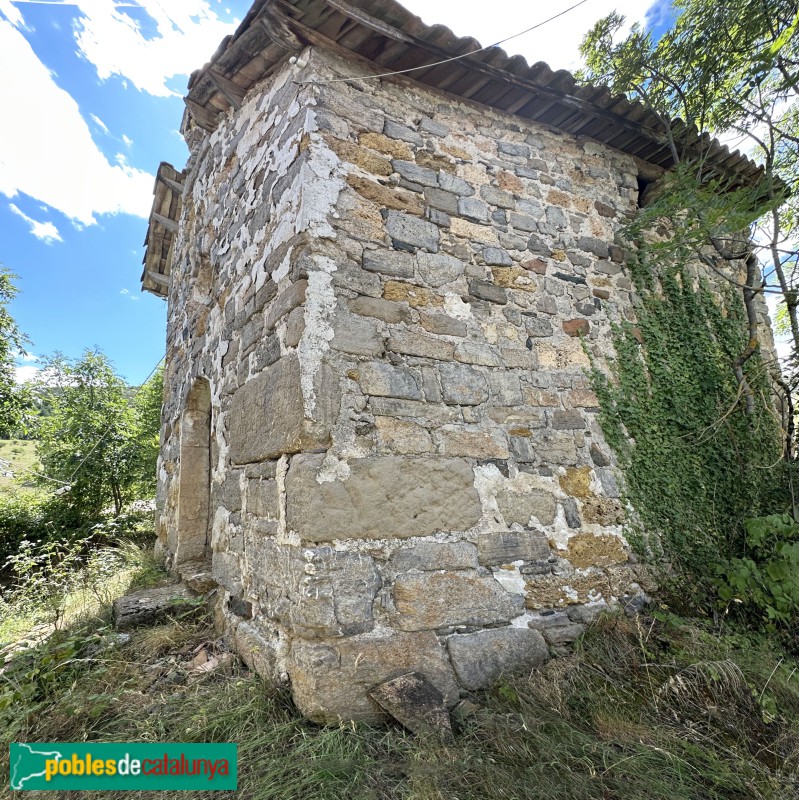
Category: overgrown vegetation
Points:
column 696, row 464
column 703, row 423
column 97, row 443
column 657, row 708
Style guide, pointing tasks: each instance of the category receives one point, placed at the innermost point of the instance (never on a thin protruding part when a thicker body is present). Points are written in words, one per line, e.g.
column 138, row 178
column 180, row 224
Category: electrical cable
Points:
column 448, row 60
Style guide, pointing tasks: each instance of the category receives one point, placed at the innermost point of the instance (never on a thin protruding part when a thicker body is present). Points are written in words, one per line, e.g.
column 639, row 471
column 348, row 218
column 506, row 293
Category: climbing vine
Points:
column 696, row 465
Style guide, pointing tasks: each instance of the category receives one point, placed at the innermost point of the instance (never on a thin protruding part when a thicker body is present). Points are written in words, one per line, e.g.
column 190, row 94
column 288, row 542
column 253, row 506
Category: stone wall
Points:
column 394, row 297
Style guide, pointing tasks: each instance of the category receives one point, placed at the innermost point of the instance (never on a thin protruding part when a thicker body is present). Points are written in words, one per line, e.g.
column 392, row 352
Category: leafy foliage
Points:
column 728, row 67
column 15, row 400
column 766, row 578
column 85, row 443
column 102, row 447
column 695, row 464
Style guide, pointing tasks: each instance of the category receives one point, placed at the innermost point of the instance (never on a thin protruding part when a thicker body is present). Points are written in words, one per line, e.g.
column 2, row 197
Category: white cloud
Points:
column 11, row 13
column 44, row 231
column 557, row 42
column 188, row 34
column 130, row 295
column 99, row 123
column 127, row 140
column 23, row 355
column 26, row 374
column 74, row 177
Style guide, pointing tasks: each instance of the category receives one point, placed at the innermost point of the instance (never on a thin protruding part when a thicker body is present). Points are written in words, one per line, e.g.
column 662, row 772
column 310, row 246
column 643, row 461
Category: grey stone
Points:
column 494, row 256
column 356, row 335
column 444, row 201
column 593, row 245
column 380, row 309
column 481, row 659
column 598, row 456
column 438, row 269
column 571, row 513
column 413, row 172
column 295, row 327
column 478, row 353
column 284, row 303
column 389, row 262
column 563, row 634
column 521, row 222
column 513, row 149
column 473, row 209
column 505, row 388
column 412, row 231
column 549, row 619
column 267, row 418
column 608, row 480
column 439, row 218
column 537, row 327
column 532, row 208
column 607, row 268
column 431, row 126
column 426, row 556
column 503, row 547
column 443, row 325
column 556, row 217
column 433, row 600
column 262, row 498
column 452, row 183
column 150, row 606
column 416, row 704
column 416, row 344
column 229, row 494
column 488, row 291
column 316, row 592
column 427, row 412
column 256, row 650
column 379, row 378
column 396, row 131
column 462, row 385
column 496, row 197
column 586, row 614
column 571, row 420
column 383, row 497
column 520, row 507
column 330, row 682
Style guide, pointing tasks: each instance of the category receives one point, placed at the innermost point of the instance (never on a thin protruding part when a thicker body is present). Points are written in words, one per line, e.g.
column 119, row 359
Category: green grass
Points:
column 659, row 708
column 20, row 455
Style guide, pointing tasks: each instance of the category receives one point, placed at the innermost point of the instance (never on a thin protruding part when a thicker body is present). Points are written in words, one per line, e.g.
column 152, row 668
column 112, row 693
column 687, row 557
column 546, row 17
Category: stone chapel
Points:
column 389, row 262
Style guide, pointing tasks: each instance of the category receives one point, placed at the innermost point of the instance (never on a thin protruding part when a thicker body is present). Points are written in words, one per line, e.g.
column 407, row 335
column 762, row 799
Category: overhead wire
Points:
column 449, row 60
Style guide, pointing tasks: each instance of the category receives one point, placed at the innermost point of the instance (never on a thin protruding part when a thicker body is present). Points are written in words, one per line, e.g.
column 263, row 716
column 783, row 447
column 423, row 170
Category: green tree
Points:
column 15, row 401
column 723, row 68
column 147, row 404
column 87, row 442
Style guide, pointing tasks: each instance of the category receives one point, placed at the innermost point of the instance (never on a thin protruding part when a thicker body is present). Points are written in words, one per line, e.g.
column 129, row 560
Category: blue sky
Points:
column 91, row 93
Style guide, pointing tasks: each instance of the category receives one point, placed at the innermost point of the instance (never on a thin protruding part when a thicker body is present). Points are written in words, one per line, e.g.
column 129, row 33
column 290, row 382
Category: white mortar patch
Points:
column 320, row 305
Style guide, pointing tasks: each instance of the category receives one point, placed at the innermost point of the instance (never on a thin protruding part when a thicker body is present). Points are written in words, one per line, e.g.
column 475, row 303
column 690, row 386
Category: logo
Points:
column 135, row 765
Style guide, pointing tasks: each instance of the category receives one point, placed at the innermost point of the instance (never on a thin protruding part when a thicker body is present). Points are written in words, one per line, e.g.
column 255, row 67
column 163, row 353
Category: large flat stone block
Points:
column 267, row 417
column 444, row 599
column 383, row 497
column 481, row 659
column 330, row 681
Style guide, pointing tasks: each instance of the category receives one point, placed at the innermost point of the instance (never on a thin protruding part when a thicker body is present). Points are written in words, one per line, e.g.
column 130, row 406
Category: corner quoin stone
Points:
column 267, row 417
column 383, row 497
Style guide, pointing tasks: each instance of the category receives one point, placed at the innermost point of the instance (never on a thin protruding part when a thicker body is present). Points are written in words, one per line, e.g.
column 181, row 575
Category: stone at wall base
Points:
column 415, row 703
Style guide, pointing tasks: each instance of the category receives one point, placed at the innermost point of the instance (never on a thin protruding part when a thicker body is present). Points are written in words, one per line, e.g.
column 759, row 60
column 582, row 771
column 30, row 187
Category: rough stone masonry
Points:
column 379, row 432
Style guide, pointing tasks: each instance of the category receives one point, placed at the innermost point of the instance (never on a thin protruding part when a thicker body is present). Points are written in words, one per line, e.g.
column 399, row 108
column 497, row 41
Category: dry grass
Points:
column 662, row 710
